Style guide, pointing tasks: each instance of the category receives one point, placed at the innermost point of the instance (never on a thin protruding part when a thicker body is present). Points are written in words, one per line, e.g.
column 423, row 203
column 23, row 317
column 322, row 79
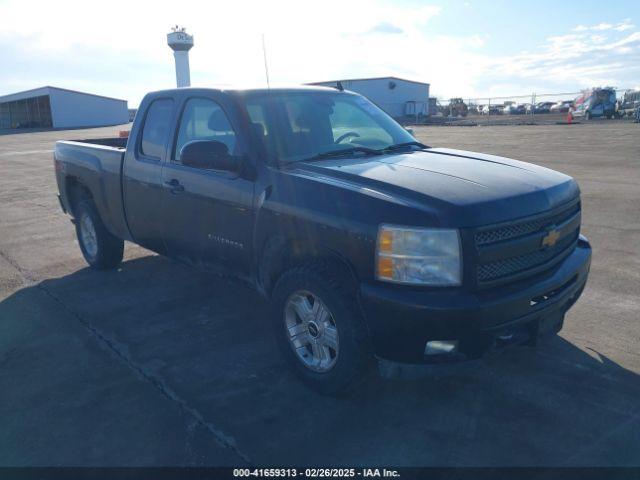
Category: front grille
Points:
column 506, row 232
column 510, row 266
column 522, row 243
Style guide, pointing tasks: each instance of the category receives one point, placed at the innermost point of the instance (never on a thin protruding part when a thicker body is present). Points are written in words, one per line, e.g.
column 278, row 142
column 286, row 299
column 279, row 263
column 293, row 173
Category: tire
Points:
column 100, row 248
column 346, row 358
column 587, row 116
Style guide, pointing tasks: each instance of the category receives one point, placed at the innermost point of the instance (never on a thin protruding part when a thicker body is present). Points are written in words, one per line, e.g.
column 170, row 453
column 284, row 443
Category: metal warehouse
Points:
column 60, row 108
column 396, row 96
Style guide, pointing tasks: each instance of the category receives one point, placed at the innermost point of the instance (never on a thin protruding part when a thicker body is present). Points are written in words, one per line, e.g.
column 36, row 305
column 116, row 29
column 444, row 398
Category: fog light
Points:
column 439, row 347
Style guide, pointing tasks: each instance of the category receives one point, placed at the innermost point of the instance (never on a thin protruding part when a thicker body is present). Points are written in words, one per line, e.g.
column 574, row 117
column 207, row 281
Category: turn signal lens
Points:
column 385, row 241
column 385, row 267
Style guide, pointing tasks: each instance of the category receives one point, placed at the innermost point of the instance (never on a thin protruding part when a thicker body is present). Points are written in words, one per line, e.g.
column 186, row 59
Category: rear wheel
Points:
column 101, row 249
column 319, row 328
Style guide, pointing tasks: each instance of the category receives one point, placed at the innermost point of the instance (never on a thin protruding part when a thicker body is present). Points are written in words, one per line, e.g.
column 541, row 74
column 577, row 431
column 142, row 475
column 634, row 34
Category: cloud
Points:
column 579, row 59
column 602, row 26
column 619, row 27
column 386, row 27
column 477, row 41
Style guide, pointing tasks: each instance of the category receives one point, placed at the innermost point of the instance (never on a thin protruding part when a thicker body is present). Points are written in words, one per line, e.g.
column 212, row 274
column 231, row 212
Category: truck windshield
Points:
column 295, row 126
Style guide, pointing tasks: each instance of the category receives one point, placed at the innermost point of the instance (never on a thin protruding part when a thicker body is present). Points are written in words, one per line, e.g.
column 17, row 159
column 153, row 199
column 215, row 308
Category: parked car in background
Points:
column 596, row 102
column 629, row 103
column 562, row 106
column 492, row 109
column 514, row 109
column 540, row 107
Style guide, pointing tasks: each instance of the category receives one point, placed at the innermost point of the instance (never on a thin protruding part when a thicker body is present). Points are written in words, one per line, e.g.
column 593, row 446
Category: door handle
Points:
column 175, row 186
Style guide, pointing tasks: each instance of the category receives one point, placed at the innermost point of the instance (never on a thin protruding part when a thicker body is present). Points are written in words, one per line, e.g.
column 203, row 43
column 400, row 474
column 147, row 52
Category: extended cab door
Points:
column 208, row 214
column 142, row 174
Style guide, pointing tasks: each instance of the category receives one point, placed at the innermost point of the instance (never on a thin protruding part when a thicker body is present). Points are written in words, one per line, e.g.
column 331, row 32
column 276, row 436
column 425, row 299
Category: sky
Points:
column 466, row 48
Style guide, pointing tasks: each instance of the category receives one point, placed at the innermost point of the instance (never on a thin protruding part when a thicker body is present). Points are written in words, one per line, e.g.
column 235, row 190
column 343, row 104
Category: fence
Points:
column 510, row 109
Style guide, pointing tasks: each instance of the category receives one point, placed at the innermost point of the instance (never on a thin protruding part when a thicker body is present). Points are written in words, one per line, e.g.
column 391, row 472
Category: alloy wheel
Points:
column 311, row 331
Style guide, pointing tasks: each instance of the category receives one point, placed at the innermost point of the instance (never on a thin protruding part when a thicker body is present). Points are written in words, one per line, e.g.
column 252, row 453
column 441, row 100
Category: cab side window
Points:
column 204, row 119
column 156, row 128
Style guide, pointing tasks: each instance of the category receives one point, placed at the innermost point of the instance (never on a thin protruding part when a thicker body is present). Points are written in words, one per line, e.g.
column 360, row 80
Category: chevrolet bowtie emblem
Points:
column 550, row 239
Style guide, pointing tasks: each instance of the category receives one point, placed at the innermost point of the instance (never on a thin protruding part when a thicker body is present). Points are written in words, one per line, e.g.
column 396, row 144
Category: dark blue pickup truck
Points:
column 366, row 242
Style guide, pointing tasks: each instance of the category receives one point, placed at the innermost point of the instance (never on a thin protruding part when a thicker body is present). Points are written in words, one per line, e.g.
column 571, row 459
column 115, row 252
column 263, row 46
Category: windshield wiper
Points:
column 399, row 146
column 365, row 150
column 344, row 151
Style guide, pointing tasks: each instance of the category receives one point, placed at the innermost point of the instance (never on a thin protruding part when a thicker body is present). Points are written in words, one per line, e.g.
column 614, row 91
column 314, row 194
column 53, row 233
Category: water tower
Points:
column 181, row 42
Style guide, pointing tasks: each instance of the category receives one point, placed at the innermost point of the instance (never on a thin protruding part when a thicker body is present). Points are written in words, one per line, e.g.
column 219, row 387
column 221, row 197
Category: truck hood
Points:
column 462, row 189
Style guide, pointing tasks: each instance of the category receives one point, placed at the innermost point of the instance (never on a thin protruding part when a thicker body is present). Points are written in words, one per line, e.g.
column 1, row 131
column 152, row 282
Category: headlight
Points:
column 418, row 256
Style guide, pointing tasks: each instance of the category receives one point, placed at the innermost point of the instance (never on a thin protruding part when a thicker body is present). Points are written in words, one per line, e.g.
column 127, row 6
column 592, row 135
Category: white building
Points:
column 396, row 96
column 48, row 107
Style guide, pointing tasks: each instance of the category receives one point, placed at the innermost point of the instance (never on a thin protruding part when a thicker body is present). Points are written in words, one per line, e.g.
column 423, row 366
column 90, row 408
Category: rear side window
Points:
column 156, row 128
column 204, row 119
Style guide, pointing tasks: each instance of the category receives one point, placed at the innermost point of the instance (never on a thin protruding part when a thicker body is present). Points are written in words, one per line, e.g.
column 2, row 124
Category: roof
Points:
column 36, row 92
column 370, row 78
column 228, row 89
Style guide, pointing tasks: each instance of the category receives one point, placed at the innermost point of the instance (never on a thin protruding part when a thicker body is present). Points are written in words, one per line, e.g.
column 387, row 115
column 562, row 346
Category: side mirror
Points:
column 208, row 155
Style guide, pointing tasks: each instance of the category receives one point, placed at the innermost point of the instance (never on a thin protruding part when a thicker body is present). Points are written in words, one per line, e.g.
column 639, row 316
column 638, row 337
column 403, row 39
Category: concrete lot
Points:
column 156, row 364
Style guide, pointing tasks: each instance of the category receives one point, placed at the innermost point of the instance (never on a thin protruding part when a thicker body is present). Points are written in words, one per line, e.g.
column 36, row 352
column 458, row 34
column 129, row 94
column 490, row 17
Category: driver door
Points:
column 208, row 213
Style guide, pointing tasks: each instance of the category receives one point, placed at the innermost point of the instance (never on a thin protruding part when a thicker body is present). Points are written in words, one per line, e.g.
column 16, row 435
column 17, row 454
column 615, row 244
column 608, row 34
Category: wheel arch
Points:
column 280, row 253
column 76, row 190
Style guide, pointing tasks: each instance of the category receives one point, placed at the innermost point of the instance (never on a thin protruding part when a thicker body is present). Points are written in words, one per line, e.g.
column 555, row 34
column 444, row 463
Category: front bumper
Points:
column 401, row 320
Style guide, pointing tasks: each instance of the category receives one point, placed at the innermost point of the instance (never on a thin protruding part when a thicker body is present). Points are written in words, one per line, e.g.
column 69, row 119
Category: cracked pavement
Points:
column 158, row 364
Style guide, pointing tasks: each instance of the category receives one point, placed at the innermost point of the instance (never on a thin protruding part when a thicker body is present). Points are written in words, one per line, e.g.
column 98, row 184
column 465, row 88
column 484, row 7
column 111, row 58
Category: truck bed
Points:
column 96, row 164
column 107, row 142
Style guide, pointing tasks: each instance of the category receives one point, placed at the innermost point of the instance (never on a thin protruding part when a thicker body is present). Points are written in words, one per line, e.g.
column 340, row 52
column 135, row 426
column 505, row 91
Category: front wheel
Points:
column 100, row 248
column 320, row 329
